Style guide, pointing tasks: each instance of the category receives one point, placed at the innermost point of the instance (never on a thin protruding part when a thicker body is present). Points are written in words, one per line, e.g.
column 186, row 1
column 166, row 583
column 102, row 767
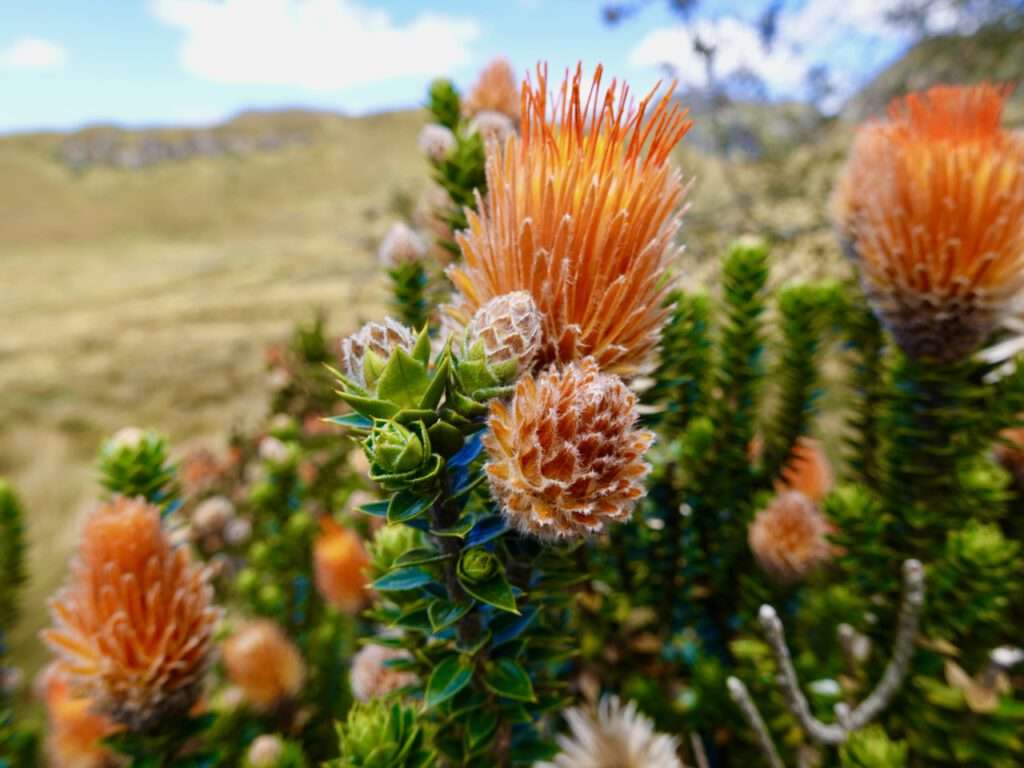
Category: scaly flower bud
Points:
column 564, row 457
column 509, row 327
column 364, row 353
column 339, row 566
column 789, row 538
column 134, row 625
column 372, row 677
column 263, row 662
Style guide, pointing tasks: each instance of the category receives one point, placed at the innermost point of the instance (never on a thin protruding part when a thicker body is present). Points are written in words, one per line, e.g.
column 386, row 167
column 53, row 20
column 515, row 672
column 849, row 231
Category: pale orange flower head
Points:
column 339, row 566
column 264, row 663
column 371, row 675
column 75, row 733
column 808, row 471
column 789, row 538
column 931, row 208
column 134, row 625
column 581, row 211
column 564, row 457
column 497, row 90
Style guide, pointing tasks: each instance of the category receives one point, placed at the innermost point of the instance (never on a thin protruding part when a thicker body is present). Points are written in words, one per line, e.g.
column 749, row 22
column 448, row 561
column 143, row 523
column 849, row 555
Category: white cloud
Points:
column 33, row 53
column 317, row 45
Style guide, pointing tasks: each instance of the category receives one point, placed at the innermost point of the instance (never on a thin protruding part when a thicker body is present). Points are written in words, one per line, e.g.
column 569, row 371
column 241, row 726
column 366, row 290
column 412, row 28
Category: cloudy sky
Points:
column 66, row 63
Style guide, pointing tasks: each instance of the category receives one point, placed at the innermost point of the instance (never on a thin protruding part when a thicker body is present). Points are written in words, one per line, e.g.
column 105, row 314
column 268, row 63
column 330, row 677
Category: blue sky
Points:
column 66, row 63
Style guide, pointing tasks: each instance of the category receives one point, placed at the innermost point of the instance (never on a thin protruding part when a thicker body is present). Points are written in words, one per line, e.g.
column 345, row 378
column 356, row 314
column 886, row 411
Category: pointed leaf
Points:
column 406, row 506
column 448, row 678
column 485, row 530
column 370, row 407
column 444, row 613
column 420, row 556
column 402, row 579
column 403, row 380
column 494, row 591
column 376, row 508
column 459, row 530
column 508, row 678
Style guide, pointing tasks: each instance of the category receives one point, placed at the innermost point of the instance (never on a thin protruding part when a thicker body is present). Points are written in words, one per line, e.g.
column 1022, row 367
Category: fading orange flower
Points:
column 264, row 663
column 581, row 211
column 134, row 625
column 789, row 538
column 75, row 732
column 808, row 471
column 931, row 207
column 564, row 458
column 339, row 566
column 497, row 90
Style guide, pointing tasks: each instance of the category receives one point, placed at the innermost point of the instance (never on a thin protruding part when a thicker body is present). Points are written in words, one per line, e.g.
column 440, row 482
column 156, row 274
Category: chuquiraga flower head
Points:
column 581, row 212
column 616, row 736
column 364, row 353
column 374, row 674
column 339, row 565
column 931, row 208
column 264, row 664
column 564, row 456
column 497, row 90
column 134, row 625
column 790, row 538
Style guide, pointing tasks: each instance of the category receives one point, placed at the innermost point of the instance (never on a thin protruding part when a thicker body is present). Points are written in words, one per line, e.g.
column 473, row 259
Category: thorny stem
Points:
column 850, row 720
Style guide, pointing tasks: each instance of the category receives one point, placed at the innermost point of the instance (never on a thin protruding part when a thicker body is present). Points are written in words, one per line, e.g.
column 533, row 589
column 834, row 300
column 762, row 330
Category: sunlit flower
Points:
column 931, row 208
column 581, row 211
column 808, row 471
column 134, row 625
column 789, row 538
column 378, row 338
column 497, row 90
column 263, row 662
column 564, row 456
column 509, row 327
column 339, row 565
column 401, row 245
column 436, row 141
column 75, row 732
column 616, row 736
column 371, row 676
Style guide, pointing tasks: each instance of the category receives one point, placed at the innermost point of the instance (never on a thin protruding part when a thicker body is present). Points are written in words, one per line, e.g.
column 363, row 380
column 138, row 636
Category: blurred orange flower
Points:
column 134, row 625
column 497, row 90
column 581, row 211
column 264, row 663
column 75, row 731
column 808, row 471
column 789, row 538
column 339, row 566
column 931, row 208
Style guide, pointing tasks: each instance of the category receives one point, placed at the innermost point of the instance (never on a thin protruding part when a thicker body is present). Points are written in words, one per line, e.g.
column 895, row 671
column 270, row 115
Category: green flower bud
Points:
column 379, row 735
column 389, row 544
column 477, row 565
column 400, row 457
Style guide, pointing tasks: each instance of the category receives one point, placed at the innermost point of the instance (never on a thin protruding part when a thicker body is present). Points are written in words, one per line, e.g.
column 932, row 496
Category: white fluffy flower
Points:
column 436, row 141
column 265, row 751
column 401, row 245
column 616, row 736
column 371, row 677
column 492, row 126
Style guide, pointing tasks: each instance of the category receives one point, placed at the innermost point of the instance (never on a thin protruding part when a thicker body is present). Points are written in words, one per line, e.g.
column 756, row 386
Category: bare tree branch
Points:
column 741, row 696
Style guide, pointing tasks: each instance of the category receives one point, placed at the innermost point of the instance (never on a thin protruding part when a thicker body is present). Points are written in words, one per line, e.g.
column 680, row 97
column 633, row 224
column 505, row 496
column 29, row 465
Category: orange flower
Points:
column 581, row 213
column 263, row 662
column 564, row 458
column 789, row 538
column 339, row 565
column 497, row 90
column 808, row 471
column 75, row 732
column 134, row 625
column 931, row 207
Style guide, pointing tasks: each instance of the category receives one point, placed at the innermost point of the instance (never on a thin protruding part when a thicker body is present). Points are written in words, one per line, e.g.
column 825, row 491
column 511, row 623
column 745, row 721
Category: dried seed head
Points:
column 509, row 327
column 436, row 141
column 263, row 662
column 497, row 90
column 339, row 566
column 789, row 538
column 371, row 677
column 380, row 339
column 931, row 208
column 564, row 457
column 401, row 245
column 134, row 625
column 581, row 212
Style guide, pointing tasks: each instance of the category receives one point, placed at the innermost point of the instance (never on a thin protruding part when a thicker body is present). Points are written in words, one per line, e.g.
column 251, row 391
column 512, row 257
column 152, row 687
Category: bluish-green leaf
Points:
column 419, row 556
column 406, row 506
column 494, row 591
column 402, row 579
column 448, row 678
column 508, row 678
column 444, row 613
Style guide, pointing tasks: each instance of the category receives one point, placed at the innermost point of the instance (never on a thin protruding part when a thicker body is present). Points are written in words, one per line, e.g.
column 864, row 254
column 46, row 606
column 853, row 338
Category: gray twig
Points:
column 741, row 696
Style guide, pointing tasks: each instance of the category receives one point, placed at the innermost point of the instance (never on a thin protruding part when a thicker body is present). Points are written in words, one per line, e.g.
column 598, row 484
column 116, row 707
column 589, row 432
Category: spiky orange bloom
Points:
column 339, row 566
column 581, row 211
column 263, row 662
column 75, row 732
column 497, row 90
column 808, row 471
column 564, row 458
column 789, row 537
column 134, row 625
column 931, row 207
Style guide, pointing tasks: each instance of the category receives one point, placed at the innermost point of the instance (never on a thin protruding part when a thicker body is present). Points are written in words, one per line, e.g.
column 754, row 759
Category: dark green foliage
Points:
column 409, row 293
column 872, row 748
column 138, row 465
column 866, row 344
column 12, row 559
column 681, row 380
column 444, row 103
